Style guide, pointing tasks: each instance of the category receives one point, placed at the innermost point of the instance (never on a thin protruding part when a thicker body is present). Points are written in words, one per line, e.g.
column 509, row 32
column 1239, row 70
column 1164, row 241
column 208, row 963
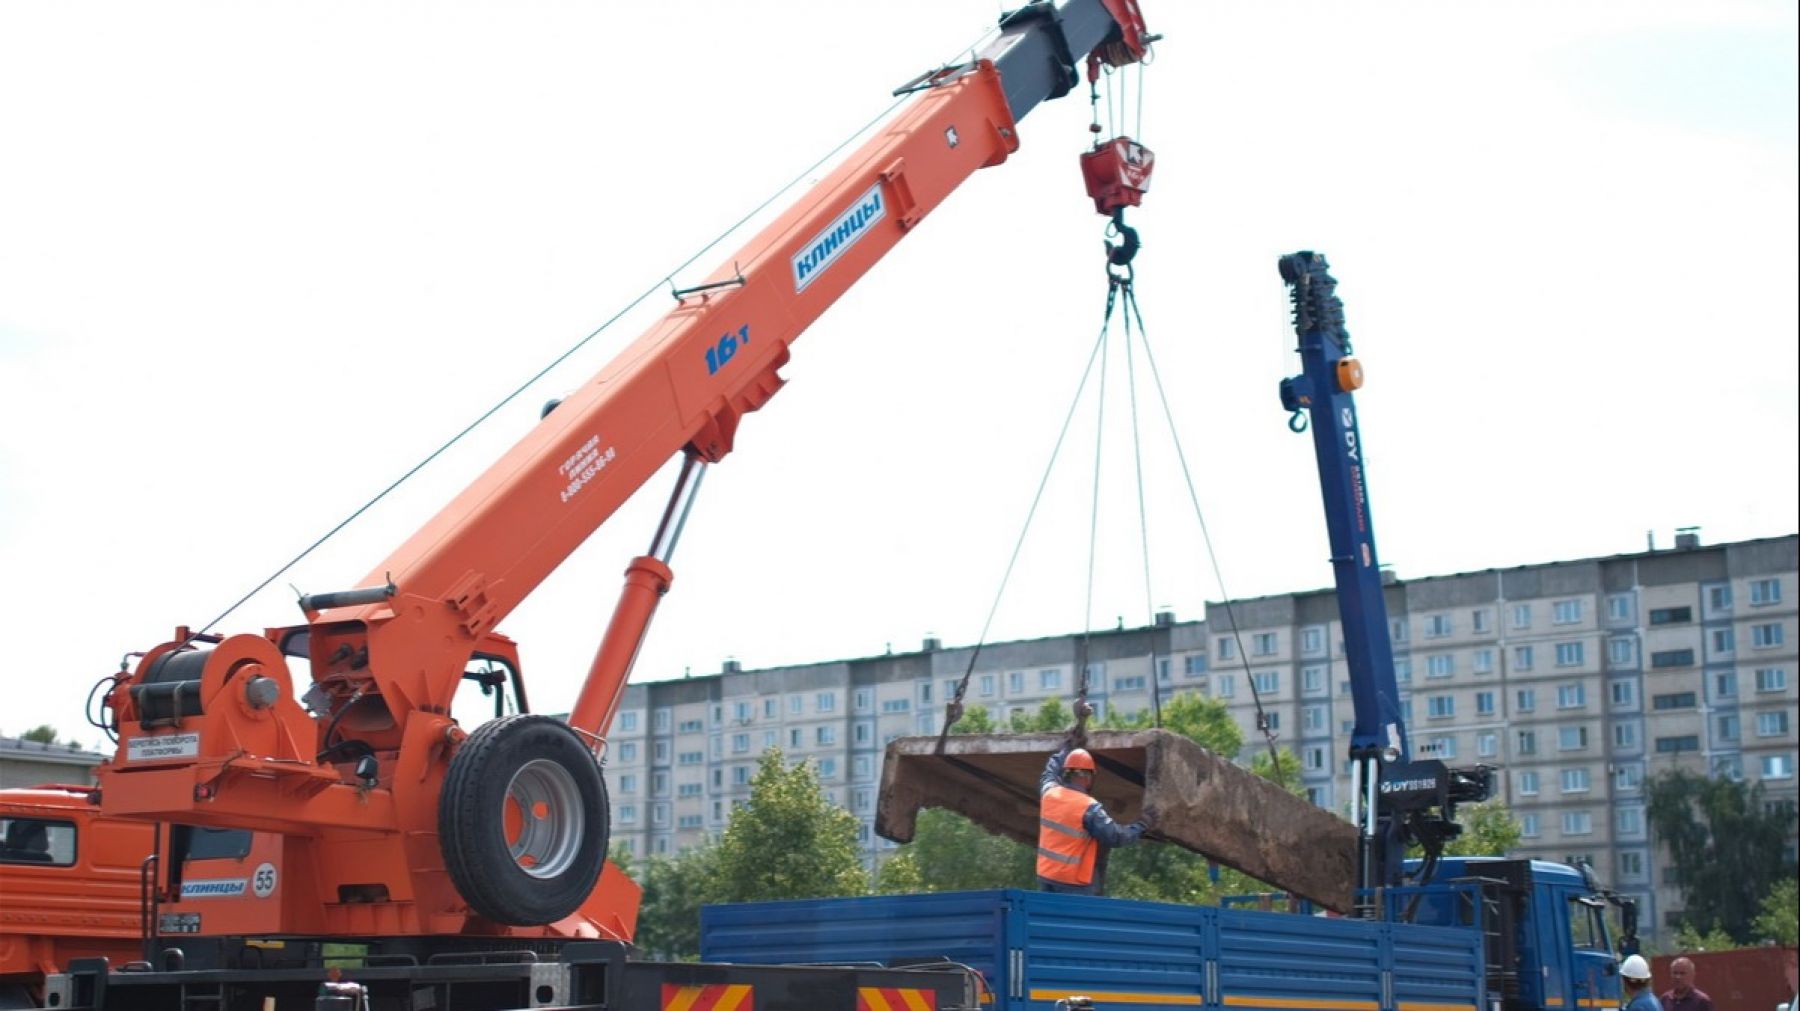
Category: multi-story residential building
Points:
column 1576, row 679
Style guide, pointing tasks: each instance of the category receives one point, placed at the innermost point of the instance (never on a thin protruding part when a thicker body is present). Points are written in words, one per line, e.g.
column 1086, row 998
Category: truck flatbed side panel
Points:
column 1034, row 948
column 1207, row 803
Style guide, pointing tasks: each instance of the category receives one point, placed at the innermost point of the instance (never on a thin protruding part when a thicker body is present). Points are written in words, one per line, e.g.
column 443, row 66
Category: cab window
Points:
column 37, row 841
column 1587, row 925
column 487, row 692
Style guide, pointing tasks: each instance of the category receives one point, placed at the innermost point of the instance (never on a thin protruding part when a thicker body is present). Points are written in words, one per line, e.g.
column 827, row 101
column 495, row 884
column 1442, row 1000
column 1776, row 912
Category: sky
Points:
column 259, row 260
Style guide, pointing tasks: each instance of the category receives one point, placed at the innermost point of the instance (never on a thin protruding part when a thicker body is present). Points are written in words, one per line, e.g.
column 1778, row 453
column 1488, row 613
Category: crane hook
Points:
column 1121, row 253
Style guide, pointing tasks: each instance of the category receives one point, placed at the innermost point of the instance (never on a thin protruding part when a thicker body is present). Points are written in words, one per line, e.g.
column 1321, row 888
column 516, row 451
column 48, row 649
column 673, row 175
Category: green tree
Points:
column 43, row 733
column 1489, row 829
column 674, row 890
column 1726, row 849
column 787, row 842
column 1689, row 939
column 1779, row 919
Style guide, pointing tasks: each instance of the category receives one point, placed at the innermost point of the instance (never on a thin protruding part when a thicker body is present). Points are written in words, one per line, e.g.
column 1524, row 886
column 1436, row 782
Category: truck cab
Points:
column 1548, row 942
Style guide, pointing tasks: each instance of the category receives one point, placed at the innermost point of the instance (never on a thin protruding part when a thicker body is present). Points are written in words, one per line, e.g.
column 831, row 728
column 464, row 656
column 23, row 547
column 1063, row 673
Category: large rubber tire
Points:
column 558, row 820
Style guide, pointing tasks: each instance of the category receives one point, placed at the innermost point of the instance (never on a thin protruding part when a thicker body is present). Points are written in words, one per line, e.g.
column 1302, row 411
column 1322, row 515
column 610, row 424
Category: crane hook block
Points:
column 1117, row 173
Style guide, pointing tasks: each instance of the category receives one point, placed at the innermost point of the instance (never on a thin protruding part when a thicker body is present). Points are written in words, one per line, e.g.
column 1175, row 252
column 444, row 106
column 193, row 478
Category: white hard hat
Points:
column 1635, row 967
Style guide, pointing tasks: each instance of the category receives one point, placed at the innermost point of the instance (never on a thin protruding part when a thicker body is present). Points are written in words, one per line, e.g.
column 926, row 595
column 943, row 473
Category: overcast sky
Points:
column 257, row 260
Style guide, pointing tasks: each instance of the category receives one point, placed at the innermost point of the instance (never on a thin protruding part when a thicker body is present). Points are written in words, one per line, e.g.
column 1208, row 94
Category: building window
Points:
column 1227, row 649
column 1726, row 727
column 1437, row 626
column 689, row 790
column 1671, row 615
column 1528, row 826
column 1521, row 616
column 796, row 738
column 662, row 721
column 659, row 784
column 771, row 708
column 1263, row 644
column 1049, row 680
column 690, row 726
column 628, row 814
column 1571, row 696
column 1625, row 735
column 1771, row 679
column 1487, row 745
column 741, row 711
column 1778, row 767
column 825, row 736
column 660, row 753
column 1521, row 658
column 1527, row 742
column 1621, row 651
column 1577, row 823
column 1631, row 866
column 896, row 706
column 628, row 783
column 1765, row 591
column 1672, row 658
column 1403, row 670
column 1312, row 680
column 628, row 752
column 1312, row 641
column 1225, row 686
column 1765, row 636
column 1478, row 620
column 1569, row 654
column 1134, row 683
column 1312, row 718
column 740, row 744
column 862, row 700
column 1624, row 694
column 987, row 686
column 924, row 693
column 1618, row 607
column 1162, row 669
column 1718, row 598
column 796, row 705
column 1440, row 707
column 691, row 758
column 1441, row 666
column 1194, row 664
column 1440, row 747
column 1571, row 738
column 628, row 722
column 769, row 738
column 1482, row 661
column 1525, row 700
column 1565, row 612
column 1315, row 759
column 1575, row 781
column 1629, row 777
column 740, row 775
column 1675, row 745
column 1673, row 700
column 1484, row 703
column 1528, row 783
column 1772, row 724
column 1015, row 682
column 1274, row 720
column 1267, row 682
column 827, row 701
column 862, row 767
column 1398, row 630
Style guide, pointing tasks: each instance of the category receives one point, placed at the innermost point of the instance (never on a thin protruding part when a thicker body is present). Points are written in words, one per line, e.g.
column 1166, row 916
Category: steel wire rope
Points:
column 953, row 709
column 1262, row 717
column 665, row 279
column 1137, row 453
column 1083, row 673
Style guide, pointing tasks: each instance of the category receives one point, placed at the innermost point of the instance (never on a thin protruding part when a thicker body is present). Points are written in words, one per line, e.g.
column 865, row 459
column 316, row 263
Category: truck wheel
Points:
column 523, row 820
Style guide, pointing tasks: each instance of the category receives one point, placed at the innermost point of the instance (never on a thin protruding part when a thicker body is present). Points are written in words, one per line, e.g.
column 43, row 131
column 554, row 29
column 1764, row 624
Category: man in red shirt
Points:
column 1683, row 996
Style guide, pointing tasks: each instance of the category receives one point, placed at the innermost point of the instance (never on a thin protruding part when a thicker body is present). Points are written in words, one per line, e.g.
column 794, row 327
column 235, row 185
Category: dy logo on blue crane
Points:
column 725, row 349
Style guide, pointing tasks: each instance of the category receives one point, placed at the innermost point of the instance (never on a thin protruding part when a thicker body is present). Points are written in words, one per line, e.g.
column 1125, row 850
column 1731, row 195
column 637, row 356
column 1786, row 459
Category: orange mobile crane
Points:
column 372, row 813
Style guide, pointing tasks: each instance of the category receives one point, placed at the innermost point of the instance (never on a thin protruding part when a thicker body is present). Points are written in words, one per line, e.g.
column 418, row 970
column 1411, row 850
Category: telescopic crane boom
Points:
column 392, row 819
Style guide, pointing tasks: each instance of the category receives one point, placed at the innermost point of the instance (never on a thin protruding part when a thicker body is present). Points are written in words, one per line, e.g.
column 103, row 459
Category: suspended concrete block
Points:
column 1205, row 803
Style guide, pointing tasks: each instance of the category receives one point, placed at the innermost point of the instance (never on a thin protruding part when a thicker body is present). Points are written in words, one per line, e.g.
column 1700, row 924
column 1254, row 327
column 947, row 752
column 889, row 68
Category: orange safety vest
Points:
column 1065, row 850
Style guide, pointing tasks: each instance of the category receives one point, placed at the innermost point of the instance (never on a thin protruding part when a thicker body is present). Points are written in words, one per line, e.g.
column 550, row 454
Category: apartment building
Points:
column 1576, row 679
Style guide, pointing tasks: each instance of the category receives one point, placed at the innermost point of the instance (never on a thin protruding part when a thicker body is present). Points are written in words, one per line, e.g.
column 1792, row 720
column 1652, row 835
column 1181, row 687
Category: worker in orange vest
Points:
column 1075, row 833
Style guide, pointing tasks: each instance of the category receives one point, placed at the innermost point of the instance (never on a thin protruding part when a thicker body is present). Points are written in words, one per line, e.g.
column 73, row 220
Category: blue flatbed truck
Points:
column 1486, row 935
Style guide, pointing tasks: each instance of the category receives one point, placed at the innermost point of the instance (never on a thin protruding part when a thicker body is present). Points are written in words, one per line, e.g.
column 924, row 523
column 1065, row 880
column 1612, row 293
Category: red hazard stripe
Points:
column 707, row 997
column 888, row 998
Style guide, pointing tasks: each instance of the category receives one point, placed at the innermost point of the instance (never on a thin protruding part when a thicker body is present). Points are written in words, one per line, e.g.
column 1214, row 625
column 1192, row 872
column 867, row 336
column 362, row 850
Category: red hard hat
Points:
column 1079, row 759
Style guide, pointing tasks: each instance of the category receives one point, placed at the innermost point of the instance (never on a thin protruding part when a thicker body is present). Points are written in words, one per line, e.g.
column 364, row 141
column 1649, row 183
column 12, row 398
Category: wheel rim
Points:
column 544, row 799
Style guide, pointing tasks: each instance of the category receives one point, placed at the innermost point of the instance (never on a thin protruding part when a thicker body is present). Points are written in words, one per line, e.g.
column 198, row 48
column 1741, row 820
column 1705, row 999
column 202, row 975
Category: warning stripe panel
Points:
column 708, row 997
column 892, row 998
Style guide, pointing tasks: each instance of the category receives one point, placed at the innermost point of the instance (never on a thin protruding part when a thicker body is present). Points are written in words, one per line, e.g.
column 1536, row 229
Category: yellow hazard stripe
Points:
column 908, row 999
column 1113, row 996
column 735, row 998
column 1302, row 1002
column 730, row 997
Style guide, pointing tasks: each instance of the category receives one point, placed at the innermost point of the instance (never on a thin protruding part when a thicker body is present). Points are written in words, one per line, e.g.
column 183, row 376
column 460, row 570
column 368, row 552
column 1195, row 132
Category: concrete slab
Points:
column 1206, row 803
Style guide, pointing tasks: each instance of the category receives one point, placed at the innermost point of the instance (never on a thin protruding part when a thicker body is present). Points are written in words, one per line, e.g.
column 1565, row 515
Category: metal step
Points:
column 1205, row 803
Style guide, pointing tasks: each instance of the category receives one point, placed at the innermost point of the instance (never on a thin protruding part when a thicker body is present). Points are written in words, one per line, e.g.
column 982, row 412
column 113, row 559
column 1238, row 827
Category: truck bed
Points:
column 1207, row 804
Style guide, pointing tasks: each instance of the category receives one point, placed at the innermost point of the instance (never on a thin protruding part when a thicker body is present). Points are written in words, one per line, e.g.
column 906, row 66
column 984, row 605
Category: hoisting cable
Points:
column 1114, row 285
column 662, row 283
column 1137, row 453
column 953, row 709
column 1262, row 717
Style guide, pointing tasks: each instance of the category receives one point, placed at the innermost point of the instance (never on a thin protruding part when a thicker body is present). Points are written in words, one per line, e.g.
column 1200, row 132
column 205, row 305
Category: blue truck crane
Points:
column 1433, row 932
